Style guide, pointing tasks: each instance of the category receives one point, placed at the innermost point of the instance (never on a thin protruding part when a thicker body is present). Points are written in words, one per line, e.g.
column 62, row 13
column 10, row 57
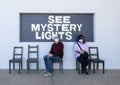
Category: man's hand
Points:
column 50, row 55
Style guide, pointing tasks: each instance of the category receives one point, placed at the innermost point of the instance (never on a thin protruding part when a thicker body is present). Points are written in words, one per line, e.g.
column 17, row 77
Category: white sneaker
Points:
column 48, row 74
column 45, row 71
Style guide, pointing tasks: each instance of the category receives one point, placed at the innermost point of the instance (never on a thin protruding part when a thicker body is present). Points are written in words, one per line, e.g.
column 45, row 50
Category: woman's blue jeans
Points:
column 48, row 62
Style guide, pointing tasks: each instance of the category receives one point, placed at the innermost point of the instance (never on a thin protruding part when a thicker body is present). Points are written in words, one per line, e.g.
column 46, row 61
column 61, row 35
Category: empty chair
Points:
column 33, row 56
column 17, row 58
column 60, row 62
column 94, row 58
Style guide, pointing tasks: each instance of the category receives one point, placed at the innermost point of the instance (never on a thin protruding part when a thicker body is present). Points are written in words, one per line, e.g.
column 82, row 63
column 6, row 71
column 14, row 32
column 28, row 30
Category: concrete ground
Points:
column 69, row 77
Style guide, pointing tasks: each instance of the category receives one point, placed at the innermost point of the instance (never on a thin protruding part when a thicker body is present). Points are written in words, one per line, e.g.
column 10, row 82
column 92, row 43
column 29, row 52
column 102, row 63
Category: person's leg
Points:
column 82, row 67
column 55, row 58
column 49, row 65
column 45, row 61
column 85, row 64
column 80, row 59
column 50, row 61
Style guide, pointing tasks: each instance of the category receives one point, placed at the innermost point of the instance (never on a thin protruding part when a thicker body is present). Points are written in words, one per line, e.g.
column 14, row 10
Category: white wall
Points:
column 106, row 28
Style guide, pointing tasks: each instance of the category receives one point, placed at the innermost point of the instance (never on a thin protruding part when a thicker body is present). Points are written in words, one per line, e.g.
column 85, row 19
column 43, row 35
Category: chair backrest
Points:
column 33, row 52
column 17, row 52
column 93, row 53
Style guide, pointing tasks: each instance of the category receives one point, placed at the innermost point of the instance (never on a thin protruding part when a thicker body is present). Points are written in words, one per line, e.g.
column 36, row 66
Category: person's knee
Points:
column 88, row 61
column 49, row 58
column 45, row 57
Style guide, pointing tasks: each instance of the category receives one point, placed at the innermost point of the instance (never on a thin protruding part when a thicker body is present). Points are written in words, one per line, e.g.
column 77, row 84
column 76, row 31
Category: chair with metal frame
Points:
column 17, row 58
column 94, row 58
column 33, row 52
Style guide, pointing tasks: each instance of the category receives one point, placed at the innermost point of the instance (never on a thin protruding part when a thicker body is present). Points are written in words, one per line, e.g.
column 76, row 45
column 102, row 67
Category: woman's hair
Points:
column 81, row 37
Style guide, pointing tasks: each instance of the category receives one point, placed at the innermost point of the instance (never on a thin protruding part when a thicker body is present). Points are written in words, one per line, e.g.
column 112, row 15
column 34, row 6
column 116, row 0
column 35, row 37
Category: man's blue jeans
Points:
column 48, row 62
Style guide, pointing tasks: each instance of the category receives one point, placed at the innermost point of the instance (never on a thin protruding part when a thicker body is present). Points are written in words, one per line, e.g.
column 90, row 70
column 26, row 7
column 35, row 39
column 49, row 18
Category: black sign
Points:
column 41, row 27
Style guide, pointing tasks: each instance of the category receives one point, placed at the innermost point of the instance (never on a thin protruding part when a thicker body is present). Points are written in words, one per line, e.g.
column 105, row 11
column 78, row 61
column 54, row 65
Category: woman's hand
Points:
column 80, row 51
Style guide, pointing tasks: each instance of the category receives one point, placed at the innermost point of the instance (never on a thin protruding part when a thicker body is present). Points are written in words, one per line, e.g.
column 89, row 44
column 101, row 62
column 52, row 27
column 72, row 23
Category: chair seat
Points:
column 57, row 61
column 16, row 60
column 32, row 60
column 96, row 60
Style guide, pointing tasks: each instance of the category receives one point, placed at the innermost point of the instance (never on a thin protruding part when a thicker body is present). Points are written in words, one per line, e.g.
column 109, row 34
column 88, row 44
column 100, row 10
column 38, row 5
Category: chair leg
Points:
column 103, row 68
column 78, row 67
column 37, row 66
column 13, row 66
column 97, row 65
column 59, row 66
column 19, row 67
column 62, row 67
column 89, row 67
column 93, row 67
column 27, row 66
column 9, row 67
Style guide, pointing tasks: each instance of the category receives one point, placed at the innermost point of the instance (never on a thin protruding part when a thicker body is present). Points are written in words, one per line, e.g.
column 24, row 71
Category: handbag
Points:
column 85, row 55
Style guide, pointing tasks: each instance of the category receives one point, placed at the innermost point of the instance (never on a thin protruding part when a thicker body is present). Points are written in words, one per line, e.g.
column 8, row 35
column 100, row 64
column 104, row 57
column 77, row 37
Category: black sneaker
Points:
column 82, row 71
column 86, row 72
